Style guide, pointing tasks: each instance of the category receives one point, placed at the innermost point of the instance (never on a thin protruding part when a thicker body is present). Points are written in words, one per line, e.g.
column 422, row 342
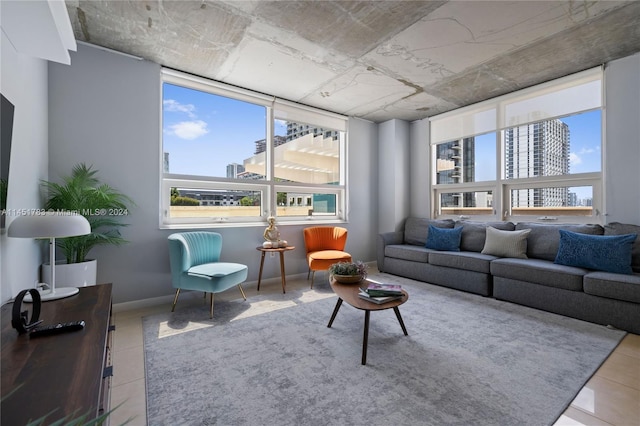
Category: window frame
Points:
column 501, row 187
column 269, row 187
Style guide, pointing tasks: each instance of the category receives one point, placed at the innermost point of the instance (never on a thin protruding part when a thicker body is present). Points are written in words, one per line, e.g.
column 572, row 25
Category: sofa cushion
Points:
column 616, row 228
column 544, row 239
column 407, row 252
column 506, row 243
column 444, row 239
column 475, row 233
column 609, row 253
column 613, row 286
column 543, row 272
column 416, row 229
column 465, row 260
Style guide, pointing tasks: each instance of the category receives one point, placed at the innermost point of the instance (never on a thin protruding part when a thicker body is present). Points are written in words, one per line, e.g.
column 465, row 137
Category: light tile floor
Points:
column 610, row 397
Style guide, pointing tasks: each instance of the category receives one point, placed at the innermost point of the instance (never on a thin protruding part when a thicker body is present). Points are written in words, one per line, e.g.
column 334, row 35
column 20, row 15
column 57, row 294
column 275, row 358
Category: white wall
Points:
column 419, row 167
column 23, row 81
column 105, row 111
column 622, row 166
column 393, row 174
column 363, row 189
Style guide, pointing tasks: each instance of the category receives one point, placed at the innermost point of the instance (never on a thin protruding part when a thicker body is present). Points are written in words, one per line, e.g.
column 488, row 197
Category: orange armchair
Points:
column 324, row 246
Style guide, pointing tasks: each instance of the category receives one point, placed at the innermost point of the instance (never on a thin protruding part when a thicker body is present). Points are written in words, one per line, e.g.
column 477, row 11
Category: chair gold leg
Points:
column 175, row 300
column 313, row 274
column 242, row 292
column 308, row 272
column 211, row 307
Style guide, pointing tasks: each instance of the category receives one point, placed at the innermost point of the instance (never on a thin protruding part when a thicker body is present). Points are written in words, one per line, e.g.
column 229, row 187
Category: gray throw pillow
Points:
column 617, row 228
column 506, row 243
column 416, row 230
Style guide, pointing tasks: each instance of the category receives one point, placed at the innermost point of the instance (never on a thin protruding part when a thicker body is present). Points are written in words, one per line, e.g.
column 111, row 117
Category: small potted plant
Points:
column 348, row 272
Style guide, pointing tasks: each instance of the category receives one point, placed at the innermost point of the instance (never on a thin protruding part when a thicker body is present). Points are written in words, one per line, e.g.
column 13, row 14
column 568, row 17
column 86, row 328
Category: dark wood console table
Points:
column 60, row 375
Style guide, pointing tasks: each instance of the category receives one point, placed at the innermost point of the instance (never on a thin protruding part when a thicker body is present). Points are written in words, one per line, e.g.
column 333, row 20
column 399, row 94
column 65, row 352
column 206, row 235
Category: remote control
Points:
column 57, row 328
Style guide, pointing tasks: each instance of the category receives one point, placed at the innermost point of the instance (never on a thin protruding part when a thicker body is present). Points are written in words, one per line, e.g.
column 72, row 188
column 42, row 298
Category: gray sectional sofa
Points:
column 535, row 280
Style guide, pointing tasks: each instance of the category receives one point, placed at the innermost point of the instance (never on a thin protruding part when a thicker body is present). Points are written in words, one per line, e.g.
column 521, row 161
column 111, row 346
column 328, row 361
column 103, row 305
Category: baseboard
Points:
column 154, row 301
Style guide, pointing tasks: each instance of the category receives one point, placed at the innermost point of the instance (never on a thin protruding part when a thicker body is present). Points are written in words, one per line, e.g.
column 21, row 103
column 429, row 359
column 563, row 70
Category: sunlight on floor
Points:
column 564, row 420
column 586, row 400
column 165, row 329
column 256, row 307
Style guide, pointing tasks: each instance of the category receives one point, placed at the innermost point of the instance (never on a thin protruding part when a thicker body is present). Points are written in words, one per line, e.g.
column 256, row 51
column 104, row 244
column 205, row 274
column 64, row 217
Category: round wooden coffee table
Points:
column 349, row 293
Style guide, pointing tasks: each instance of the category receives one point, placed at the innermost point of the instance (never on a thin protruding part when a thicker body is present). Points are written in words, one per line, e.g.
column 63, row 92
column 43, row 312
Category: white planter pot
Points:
column 74, row 274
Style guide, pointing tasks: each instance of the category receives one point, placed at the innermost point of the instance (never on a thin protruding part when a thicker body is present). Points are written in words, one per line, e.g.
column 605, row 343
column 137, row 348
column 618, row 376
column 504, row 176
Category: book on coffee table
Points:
column 378, row 299
column 379, row 290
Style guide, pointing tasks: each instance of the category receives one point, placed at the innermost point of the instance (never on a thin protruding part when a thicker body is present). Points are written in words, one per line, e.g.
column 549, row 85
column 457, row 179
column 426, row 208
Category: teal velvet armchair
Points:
column 195, row 265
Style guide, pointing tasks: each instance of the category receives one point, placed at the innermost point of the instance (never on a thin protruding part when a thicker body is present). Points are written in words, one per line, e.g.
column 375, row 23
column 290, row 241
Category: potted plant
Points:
column 348, row 272
column 102, row 205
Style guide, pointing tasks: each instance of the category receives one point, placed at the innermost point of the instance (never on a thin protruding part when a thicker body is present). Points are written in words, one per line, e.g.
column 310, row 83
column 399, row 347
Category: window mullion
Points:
column 271, row 204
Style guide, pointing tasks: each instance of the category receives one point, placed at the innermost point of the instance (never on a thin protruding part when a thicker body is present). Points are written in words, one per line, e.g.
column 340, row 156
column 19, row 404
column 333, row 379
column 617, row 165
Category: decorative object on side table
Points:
column 348, row 272
column 272, row 235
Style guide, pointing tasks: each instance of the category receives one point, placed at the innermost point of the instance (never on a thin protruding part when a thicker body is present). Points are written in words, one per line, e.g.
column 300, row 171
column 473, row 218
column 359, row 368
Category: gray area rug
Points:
column 468, row 360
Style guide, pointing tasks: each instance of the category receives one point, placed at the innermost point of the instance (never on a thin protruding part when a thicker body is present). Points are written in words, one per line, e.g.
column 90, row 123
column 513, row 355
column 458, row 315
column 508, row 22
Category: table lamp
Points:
column 51, row 225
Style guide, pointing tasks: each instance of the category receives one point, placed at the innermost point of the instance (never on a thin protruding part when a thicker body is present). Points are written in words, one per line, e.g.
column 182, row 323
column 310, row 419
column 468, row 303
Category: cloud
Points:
column 189, row 129
column 175, row 106
column 575, row 159
column 586, row 150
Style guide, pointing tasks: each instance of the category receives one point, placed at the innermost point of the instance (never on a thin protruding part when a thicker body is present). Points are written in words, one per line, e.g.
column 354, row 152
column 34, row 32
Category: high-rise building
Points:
column 538, row 149
column 165, row 162
column 455, row 164
column 234, row 169
column 261, row 145
column 296, row 130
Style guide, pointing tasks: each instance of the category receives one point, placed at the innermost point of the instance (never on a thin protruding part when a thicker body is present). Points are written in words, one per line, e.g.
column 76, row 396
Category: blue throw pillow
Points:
column 609, row 253
column 444, row 239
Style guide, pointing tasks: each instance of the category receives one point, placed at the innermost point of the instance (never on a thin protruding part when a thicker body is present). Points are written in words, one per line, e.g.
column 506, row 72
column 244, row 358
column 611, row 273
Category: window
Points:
column 535, row 154
column 233, row 156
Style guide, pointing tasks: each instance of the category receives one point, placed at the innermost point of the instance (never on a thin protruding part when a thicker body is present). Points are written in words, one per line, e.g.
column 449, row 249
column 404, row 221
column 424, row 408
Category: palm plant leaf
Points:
column 102, row 205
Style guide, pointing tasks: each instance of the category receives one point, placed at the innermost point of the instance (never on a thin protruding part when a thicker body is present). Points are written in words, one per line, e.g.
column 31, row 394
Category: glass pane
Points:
column 191, row 203
column 305, row 153
column 586, row 141
column 554, row 147
column 553, row 201
column 306, row 204
column 210, row 135
column 466, row 203
column 467, row 160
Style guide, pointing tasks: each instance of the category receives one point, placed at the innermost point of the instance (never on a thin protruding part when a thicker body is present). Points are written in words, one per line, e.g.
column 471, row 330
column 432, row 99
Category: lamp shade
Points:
column 49, row 225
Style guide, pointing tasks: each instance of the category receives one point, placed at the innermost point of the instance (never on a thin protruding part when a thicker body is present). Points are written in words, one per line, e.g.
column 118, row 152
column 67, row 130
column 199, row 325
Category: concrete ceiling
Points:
column 376, row 60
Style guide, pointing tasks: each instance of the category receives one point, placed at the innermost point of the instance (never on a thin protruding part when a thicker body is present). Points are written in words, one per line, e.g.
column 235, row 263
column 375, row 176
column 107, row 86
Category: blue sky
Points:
column 204, row 133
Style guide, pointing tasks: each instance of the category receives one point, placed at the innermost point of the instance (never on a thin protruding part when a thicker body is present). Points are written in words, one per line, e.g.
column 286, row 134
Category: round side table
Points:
column 280, row 250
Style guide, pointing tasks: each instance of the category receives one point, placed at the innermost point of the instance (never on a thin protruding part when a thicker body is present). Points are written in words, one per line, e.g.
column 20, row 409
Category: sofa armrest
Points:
column 384, row 240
